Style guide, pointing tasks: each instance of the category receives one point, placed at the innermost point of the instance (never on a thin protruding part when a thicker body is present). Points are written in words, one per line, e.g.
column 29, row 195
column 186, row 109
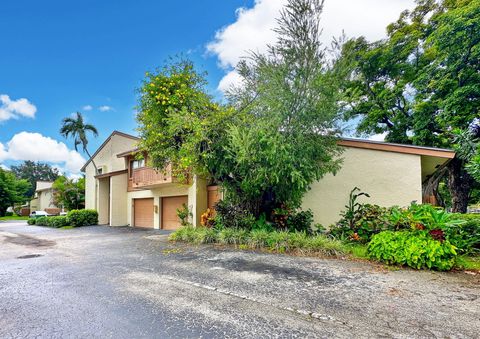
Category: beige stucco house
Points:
column 127, row 192
column 43, row 199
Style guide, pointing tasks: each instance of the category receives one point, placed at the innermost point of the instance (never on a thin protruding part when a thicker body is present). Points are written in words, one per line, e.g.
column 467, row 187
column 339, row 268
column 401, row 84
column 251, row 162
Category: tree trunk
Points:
column 459, row 185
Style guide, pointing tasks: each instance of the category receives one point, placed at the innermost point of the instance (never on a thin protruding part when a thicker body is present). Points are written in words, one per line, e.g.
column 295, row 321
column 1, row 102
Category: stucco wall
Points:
column 390, row 179
column 107, row 157
column 118, row 201
column 103, row 201
column 197, row 199
column 45, row 200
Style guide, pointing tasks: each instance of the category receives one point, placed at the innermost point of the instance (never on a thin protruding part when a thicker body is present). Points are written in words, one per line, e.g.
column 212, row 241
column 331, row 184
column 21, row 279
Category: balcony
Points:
column 147, row 177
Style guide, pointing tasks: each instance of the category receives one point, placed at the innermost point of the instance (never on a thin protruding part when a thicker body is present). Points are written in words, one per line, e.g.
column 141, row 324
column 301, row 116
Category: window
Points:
column 134, row 164
column 100, row 171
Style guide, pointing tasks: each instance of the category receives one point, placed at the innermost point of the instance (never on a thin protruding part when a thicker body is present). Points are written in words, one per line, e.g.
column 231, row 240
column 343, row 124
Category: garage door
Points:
column 170, row 220
column 143, row 212
column 213, row 196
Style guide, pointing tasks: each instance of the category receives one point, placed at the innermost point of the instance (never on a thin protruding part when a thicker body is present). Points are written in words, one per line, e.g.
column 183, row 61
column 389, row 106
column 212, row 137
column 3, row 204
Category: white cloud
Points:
column 105, row 108
column 87, row 107
column 252, row 30
column 14, row 109
column 36, row 147
column 2, row 166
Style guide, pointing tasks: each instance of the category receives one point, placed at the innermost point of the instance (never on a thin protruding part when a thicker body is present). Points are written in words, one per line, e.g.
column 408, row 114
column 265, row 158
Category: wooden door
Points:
column 143, row 212
column 170, row 220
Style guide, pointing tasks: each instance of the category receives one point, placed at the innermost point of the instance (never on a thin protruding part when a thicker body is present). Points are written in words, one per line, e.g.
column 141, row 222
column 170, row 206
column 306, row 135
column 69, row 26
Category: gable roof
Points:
column 397, row 148
column 125, row 135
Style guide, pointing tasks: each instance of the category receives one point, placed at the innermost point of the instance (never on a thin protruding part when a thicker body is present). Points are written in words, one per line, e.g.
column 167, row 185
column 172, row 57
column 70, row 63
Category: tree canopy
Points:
column 276, row 134
column 34, row 171
column 12, row 190
column 421, row 84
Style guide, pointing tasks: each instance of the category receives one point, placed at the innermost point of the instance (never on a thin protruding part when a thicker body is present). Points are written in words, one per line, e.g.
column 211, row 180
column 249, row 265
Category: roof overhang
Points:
column 128, row 153
column 111, row 174
column 398, row 148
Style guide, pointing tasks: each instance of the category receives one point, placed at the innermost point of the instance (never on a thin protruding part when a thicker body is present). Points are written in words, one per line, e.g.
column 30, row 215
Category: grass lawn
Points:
column 14, row 217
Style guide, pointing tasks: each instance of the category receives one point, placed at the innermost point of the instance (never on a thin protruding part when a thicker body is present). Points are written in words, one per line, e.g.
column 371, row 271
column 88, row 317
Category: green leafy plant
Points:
column 31, row 221
column 465, row 236
column 41, row 221
column 79, row 218
column 57, row 222
column 183, row 213
column 231, row 215
column 414, row 249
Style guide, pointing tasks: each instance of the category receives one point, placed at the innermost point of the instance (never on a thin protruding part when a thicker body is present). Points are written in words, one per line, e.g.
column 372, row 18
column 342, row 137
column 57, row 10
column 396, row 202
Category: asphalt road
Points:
column 128, row 283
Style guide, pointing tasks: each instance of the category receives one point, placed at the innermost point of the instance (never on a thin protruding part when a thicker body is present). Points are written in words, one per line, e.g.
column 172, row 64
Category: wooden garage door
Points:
column 213, row 196
column 170, row 220
column 143, row 212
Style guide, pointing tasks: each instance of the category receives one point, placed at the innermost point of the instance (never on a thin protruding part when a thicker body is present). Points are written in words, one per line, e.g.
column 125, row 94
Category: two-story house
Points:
column 125, row 191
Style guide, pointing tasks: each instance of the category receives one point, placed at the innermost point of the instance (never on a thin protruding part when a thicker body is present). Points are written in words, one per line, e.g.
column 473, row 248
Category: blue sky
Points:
column 90, row 56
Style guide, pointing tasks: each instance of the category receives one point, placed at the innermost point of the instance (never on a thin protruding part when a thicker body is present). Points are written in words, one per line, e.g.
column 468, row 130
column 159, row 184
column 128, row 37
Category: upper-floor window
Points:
column 100, row 171
column 138, row 163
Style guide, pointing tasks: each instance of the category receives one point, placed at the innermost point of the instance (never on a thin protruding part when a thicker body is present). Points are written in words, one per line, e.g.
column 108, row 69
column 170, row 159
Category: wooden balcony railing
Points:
column 147, row 177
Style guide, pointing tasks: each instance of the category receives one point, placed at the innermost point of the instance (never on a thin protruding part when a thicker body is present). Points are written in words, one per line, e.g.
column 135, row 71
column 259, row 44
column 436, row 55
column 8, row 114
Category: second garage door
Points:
column 170, row 220
column 143, row 212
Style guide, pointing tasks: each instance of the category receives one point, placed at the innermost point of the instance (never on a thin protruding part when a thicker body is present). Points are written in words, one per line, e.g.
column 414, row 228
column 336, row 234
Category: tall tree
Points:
column 12, row 190
column 422, row 82
column 76, row 128
column 289, row 94
column 33, row 172
column 276, row 136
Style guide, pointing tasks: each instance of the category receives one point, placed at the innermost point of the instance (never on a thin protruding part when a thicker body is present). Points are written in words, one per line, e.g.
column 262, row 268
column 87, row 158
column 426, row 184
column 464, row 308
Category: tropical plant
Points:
column 183, row 213
column 69, row 193
column 76, row 128
column 415, row 249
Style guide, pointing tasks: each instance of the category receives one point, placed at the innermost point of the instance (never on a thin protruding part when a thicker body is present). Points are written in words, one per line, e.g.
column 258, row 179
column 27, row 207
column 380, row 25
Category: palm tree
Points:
column 76, row 128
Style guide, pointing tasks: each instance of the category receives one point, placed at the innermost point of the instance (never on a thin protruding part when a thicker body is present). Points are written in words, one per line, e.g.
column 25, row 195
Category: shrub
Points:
column 258, row 238
column 293, row 220
column 57, row 222
column 77, row 218
column 41, row 221
column 9, row 214
column 185, row 233
column 233, row 236
column 278, row 241
column 366, row 221
column 183, row 213
column 233, row 216
column 465, row 236
column 207, row 219
column 204, row 235
column 31, row 221
column 325, row 245
column 415, row 249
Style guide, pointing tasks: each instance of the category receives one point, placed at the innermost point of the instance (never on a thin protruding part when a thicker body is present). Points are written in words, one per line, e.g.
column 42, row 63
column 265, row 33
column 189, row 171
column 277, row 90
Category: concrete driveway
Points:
column 129, row 283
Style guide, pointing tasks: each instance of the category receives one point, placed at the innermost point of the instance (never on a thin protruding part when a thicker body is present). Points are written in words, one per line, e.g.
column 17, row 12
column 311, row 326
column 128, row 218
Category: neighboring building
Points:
column 43, row 199
column 127, row 192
